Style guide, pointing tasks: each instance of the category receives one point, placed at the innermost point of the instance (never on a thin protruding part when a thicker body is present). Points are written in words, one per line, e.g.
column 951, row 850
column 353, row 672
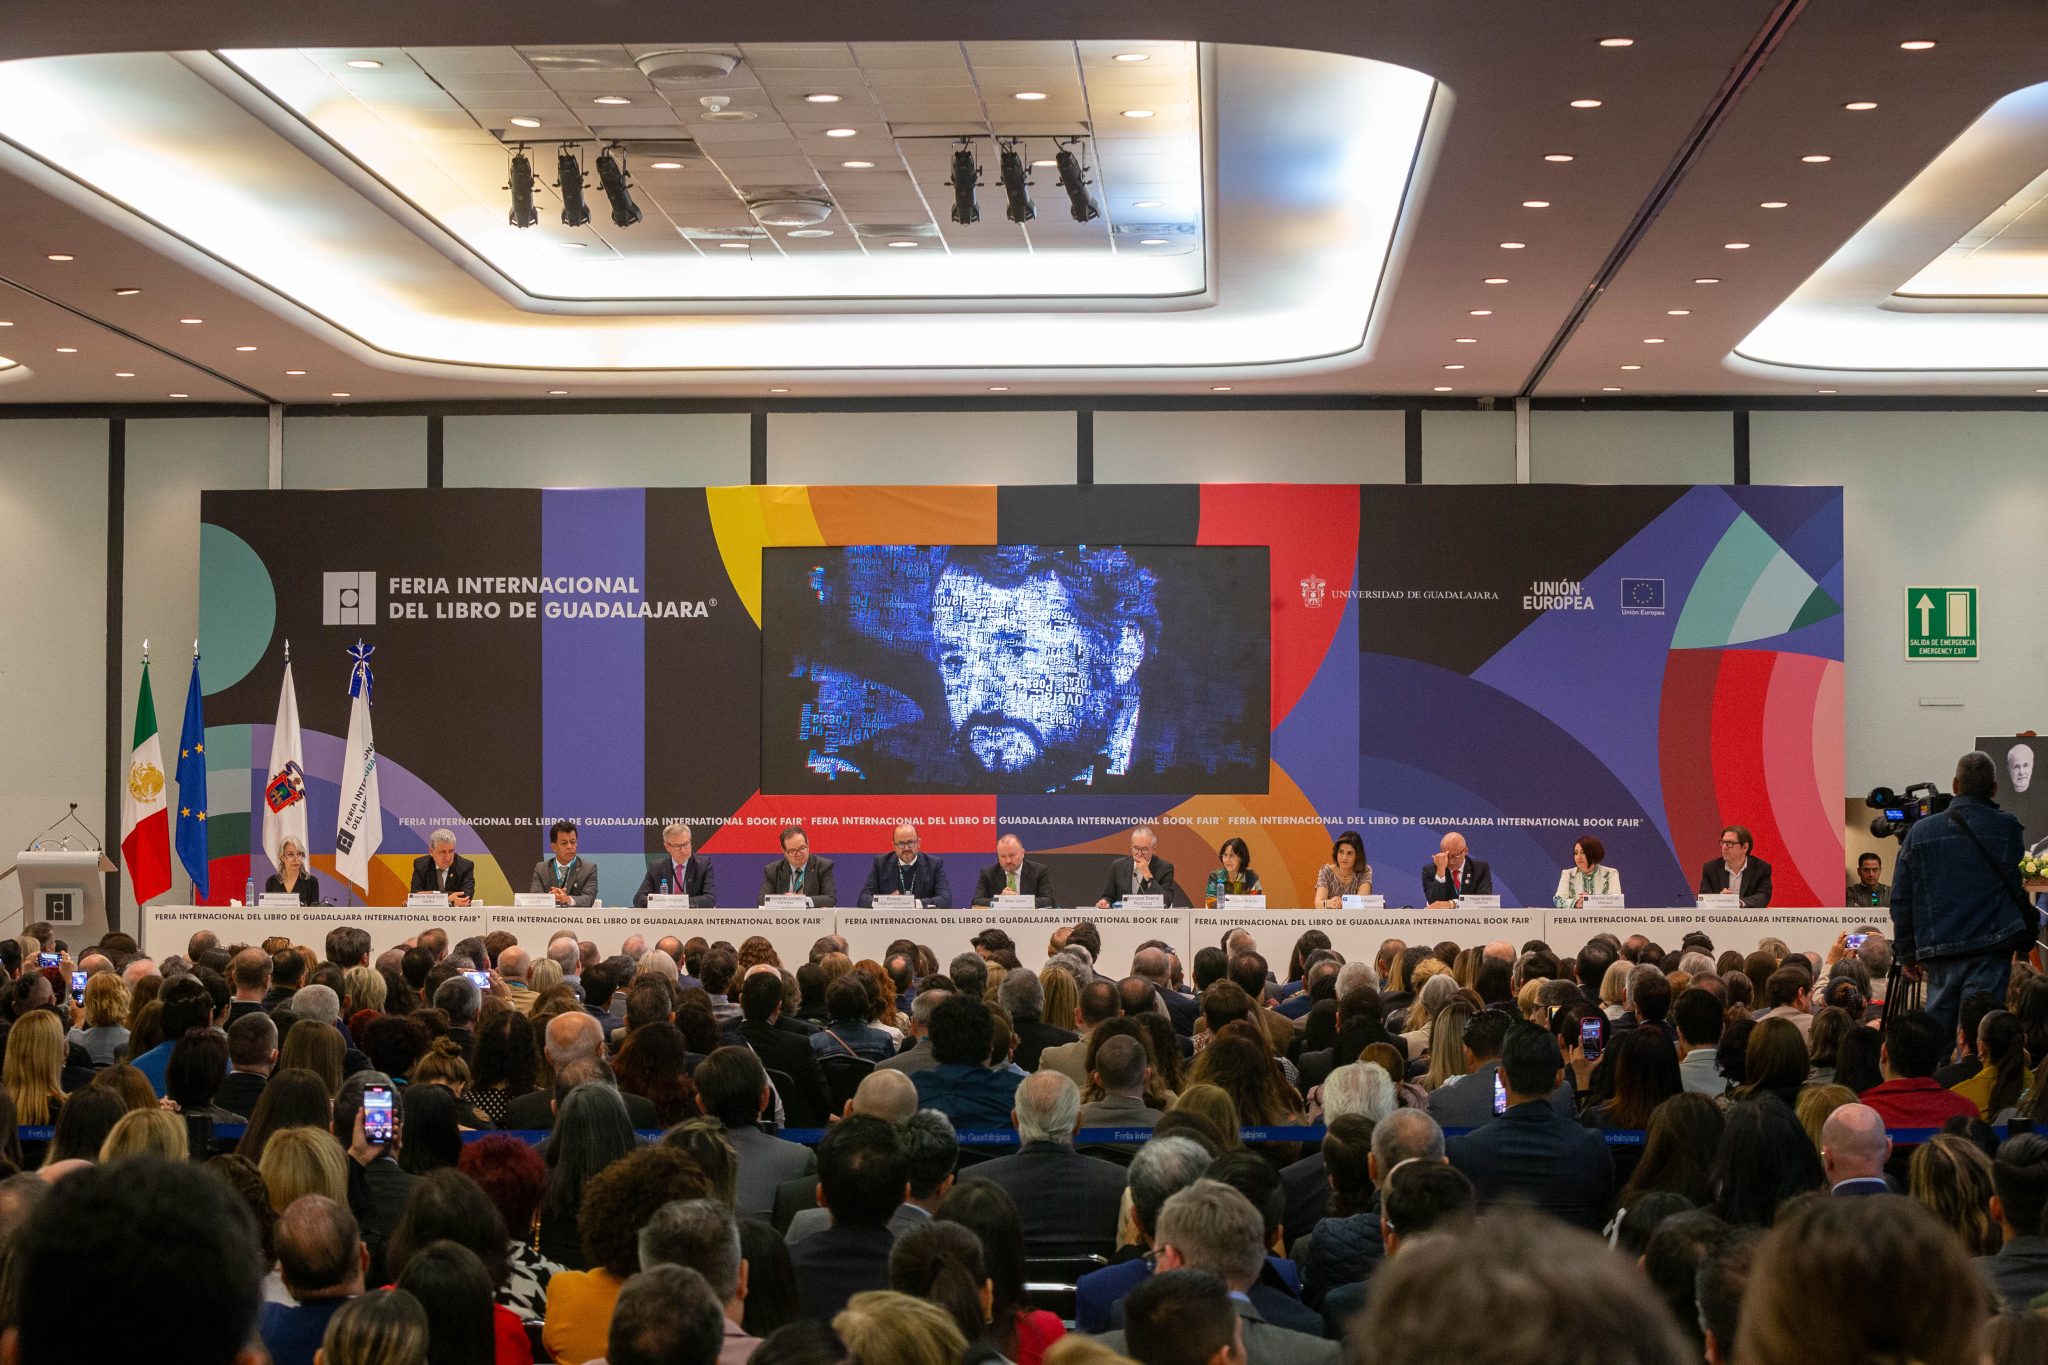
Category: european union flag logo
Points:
column 190, row 837
column 1642, row 594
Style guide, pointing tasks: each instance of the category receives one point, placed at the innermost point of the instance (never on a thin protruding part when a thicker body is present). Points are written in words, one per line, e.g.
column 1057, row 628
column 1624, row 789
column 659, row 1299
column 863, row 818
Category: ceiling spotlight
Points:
column 1495, row 279
column 1074, row 180
column 1557, row 156
column 1137, row 113
column 569, row 180
column 903, row 244
column 858, row 165
column 1816, row 159
column 1823, row 390
column 366, row 64
column 1707, row 279
column 1617, row 42
column 294, row 371
column 60, row 256
column 1149, row 204
column 611, row 173
column 67, row 350
column 999, row 388
column 245, row 348
column 842, row 132
column 523, row 214
column 778, row 390
column 1454, row 367
column 1016, row 184
column 810, row 232
column 337, row 395
column 1917, row 44
column 1029, row 95
column 611, row 99
column 525, row 121
column 966, row 178
column 1610, row 388
column 1219, row 388
column 1512, row 246
column 736, row 246
column 558, row 393
column 1442, row 388
column 1772, row 204
column 1482, row 312
column 1466, row 341
column 1678, row 312
column 664, row 165
column 126, row 293
column 1858, row 106
column 192, row 322
column 124, row 374
column 1653, row 341
column 1735, row 246
column 1631, row 367
column 177, row 395
column 1133, row 57
column 573, row 246
column 1585, row 104
column 821, row 99
column 1535, row 203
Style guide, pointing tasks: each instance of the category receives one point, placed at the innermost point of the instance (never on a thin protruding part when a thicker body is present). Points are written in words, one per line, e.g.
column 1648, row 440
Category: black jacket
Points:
column 535, row 1111
column 1534, row 1154
column 835, row 1264
column 698, row 882
column 790, row 1053
column 818, row 884
column 1081, row 1219
column 1033, row 879
column 461, row 876
column 1755, row 889
column 1474, row 879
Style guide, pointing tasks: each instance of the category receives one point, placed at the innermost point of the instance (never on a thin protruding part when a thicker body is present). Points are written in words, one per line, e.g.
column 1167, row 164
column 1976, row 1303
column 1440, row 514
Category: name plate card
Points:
column 1365, row 902
column 427, row 900
column 532, row 900
column 277, row 900
column 784, row 901
column 1725, row 900
column 1257, row 902
column 895, row 903
column 670, row 902
column 1611, row 901
column 1479, row 902
column 1014, row 902
column 1149, row 902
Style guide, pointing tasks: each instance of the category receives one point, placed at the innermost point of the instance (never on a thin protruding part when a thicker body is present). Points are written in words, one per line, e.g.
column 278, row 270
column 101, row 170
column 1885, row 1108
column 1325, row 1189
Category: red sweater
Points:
column 1917, row 1102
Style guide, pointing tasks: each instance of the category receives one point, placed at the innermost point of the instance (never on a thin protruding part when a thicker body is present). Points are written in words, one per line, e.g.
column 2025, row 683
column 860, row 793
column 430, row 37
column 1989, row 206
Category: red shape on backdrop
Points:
column 1686, row 755
column 839, row 825
column 1311, row 532
column 227, row 875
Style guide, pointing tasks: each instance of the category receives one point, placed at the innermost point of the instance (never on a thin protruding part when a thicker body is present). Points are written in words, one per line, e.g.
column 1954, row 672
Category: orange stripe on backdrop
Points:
column 893, row 515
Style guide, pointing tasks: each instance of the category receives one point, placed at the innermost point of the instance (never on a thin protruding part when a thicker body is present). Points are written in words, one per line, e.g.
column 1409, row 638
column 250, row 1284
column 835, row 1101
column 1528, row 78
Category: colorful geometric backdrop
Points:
column 1526, row 663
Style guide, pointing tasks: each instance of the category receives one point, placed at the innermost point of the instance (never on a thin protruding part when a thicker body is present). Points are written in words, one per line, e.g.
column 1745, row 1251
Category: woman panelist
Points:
column 1346, row 874
column 293, row 878
column 1235, row 877
column 1588, row 875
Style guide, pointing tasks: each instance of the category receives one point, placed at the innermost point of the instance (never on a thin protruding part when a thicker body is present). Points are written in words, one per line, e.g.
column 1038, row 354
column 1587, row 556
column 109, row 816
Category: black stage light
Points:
column 1016, row 184
column 523, row 214
column 966, row 176
column 569, row 180
column 611, row 173
column 1075, row 182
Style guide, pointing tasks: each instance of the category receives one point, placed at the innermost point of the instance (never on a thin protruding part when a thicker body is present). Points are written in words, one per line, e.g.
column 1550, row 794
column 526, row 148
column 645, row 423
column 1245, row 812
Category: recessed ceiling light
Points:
column 1137, row 113
column 1151, row 241
column 67, row 350
column 1495, row 279
column 1617, row 42
column 664, row 165
column 6, row 324
column 1707, row 279
column 810, row 232
column 1482, row 312
column 1134, row 56
column 999, row 388
column 1772, row 204
column 1917, row 44
column 1443, row 388
column 192, row 322
column 778, row 390
column 734, row 246
column 1610, row 388
column 338, row 395
column 1859, row 106
column 245, row 348
column 126, row 293
column 1454, row 367
column 1557, row 156
column 294, row 371
column 557, row 393
column 1466, row 341
column 1029, row 95
column 1535, row 203
column 611, row 99
column 1585, row 104
column 1823, row 390
column 1046, row 161
column 124, row 374
column 1816, row 159
column 1631, row 367
column 1512, row 246
column 1219, row 388
column 366, row 64
column 1735, row 246
column 821, row 99
column 178, row 395
column 1678, row 312
column 1653, row 341
column 525, row 121
column 842, row 132
column 903, row 244
column 60, row 256
column 858, row 165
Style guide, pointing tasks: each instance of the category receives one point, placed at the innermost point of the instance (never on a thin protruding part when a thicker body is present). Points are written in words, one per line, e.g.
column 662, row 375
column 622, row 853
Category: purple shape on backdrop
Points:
column 1816, row 545
column 594, row 673
column 1317, row 745
column 1782, row 509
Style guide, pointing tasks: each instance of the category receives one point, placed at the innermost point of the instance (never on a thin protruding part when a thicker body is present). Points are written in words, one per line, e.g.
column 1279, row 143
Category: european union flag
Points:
column 190, row 839
column 1647, row 593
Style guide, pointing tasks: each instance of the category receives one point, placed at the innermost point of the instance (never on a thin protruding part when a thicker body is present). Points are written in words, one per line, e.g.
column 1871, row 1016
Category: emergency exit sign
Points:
column 1941, row 623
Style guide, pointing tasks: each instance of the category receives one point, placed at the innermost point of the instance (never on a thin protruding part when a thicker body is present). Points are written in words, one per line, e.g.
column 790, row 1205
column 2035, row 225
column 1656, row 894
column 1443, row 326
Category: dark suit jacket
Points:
column 1181, row 1008
column 1536, row 1155
column 1756, row 881
column 1081, row 1220
column 580, row 881
column 2018, row 1274
column 1474, row 879
column 461, row 876
column 1160, row 883
column 927, row 881
column 698, row 881
column 1033, row 879
column 534, row 1110
column 1034, row 1036
column 1305, row 1191
column 817, row 881
column 791, row 1054
column 240, row 1091
column 834, row 1265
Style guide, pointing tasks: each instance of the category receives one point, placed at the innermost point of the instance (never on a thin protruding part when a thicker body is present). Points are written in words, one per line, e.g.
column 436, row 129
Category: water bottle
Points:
column 249, row 891
column 1215, row 896
column 664, row 886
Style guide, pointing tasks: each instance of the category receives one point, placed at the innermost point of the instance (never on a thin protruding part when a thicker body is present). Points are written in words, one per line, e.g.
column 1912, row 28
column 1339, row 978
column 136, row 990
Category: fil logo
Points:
column 1314, row 589
column 1642, row 597
column 348, row 599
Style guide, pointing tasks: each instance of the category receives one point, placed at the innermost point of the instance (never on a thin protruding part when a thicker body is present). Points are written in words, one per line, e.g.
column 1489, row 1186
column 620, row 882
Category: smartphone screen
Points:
column 482, row 979
column 1592, row 1034
column 377, row 1121
column 1500, row 1094
column 47, row 959
column 1856, row 942
column 78, row 987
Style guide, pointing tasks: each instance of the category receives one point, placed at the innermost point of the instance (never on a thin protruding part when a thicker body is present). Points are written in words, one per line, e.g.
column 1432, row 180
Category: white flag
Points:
column 359, row 830
column 284, row 795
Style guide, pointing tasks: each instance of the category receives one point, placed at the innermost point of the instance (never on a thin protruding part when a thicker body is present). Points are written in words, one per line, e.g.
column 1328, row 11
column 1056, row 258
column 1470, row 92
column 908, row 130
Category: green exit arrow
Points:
column 1925, row 605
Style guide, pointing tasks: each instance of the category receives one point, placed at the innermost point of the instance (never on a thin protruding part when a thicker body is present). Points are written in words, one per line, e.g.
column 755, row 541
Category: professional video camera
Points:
column 1897, row 812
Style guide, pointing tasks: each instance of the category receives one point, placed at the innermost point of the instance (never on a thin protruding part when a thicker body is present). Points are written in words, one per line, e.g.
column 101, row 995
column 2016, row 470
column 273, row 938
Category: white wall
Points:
column 1246, row 447
column 1468, row 447
column 1930, row 499
column 623, row 450
column 355, row 452
column 920, row 447
column 53, row 617
column 1631, row 447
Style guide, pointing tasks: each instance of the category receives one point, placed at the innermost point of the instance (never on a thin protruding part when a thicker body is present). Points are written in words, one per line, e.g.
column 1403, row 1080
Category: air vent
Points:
column 682, row 67
column 724, row 234
column 791, row 211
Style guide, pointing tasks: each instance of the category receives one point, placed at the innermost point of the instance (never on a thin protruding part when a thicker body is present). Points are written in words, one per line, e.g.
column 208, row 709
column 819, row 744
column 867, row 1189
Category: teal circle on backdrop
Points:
column 237, row 608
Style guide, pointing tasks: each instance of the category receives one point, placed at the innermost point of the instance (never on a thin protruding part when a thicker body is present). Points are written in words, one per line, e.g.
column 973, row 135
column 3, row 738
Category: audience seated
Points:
column 961, row 1085
column 1163, row 1167
column 1533, row 1154
column 704, row 1236
column 930, row 1152
column 1080, row 1220
column 862, row 1177
column 666, row 1315
column 1910, row 1097
column 733, row 1088
column 322, row 1259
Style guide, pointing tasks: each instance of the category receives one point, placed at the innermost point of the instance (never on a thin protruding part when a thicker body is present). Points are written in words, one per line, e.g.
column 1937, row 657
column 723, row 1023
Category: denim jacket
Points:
column 1945, row 901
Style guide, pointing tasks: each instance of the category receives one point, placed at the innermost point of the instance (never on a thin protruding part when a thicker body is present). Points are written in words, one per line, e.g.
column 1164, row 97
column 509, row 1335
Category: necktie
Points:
column 796, row 881
column 443, row 877
column 1013, row 883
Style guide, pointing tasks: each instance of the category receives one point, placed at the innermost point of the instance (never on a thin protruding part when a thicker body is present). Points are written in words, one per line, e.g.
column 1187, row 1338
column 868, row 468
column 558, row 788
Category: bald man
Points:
column 1015, row 875
column 1853, row 1150
column 1453, row 873
column 887, row 1095
column 573, row 1038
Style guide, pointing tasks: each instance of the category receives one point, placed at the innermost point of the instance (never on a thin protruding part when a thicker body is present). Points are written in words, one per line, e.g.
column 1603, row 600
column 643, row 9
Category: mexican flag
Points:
column 145, row 819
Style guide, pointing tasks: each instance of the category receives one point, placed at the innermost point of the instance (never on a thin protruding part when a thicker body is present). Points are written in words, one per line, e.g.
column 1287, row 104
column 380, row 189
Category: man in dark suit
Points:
column 1081, row 1221
column 1735, row 870
column 573, row 881
column 906, row 871
column 862, row 1177
column 1155, row 964
column 799, row 872
column 1854, row 1148
column 1467, row 1101
column 1023, row 996
column 1453, row 872
column 1141, row 874
column 2018, row 1274
column 574, row 1044
column 252, row 1052
column 806, row 1102
column 1532, row 1153
column 441, row 868
column 1015, row 875
column 697, row 880
column 733, row 1088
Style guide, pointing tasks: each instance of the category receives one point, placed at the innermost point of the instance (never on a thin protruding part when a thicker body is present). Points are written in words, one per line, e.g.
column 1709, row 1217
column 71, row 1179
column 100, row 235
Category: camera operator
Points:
column 1958, row 913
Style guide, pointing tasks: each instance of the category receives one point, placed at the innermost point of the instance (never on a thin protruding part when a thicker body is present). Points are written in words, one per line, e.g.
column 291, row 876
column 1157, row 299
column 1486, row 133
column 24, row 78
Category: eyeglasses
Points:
column 906, row 843
column 1731, row 843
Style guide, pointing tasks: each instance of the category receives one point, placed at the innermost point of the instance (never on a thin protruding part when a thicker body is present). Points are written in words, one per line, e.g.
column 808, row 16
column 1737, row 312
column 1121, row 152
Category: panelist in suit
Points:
column 441, row 868
column 1141, row 874
column 799, row 872
column 293, row 878
column 1735, row 870
column 568, row 877
column 696, row 879
column 1015, row 875
column 908, row 872
column 1453, row 873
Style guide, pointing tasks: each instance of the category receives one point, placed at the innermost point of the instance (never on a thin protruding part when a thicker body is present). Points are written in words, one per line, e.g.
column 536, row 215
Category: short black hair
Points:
column 559, row 828
column 1594, row 960
column 415, row 965
column 1098, row 1001
column 961, row 1031
column 1424, row 1195
column 1179, row 1317
column 665, row 1314
column 197, row 1066
column 1254, row 1177
column 1863, row 858
column 2020, row 1175
column 729, row 1084
column 930, row 1151
column 1652, row 997
column 847, row 997
column 715, row 968
column 178, row 1240
column 1494, row 980
column 761, row 996
column 348, row 946
column 861, row 1171
column 1485, row 1032
column 1529, row 1059
column 287, row 968
column 1976, row 775
column 1914, row 1043
column 1700, row 1018
column 1719, row 1282
column 1209, row 965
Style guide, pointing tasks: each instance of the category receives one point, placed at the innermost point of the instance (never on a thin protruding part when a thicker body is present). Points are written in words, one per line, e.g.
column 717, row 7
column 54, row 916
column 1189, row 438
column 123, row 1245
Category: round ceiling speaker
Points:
column 791, row 211
column 683, row 67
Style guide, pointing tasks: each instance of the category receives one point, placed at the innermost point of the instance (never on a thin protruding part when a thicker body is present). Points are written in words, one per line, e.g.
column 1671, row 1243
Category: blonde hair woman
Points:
column 302, row 1161
column 148, row 1132
column 383, row 1327
column 1447, row 1044
column 102, row 1031
column 1213, row 1102
column 1614, row 988
column 1062, row 998
column 33, row 1072
column 544, row 976
column 364, row 988
column 884, row 1326
column 316, row 1047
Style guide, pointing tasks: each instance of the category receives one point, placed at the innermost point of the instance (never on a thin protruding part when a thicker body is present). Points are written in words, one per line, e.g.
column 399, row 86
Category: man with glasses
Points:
column 1735, row 871
column 1142, row 874
column 798, row 873
column 681, row 873
column 908, row 872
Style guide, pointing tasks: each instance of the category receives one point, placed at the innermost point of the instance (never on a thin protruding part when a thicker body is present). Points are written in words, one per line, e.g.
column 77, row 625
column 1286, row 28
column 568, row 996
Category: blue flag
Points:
column 190, row 839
